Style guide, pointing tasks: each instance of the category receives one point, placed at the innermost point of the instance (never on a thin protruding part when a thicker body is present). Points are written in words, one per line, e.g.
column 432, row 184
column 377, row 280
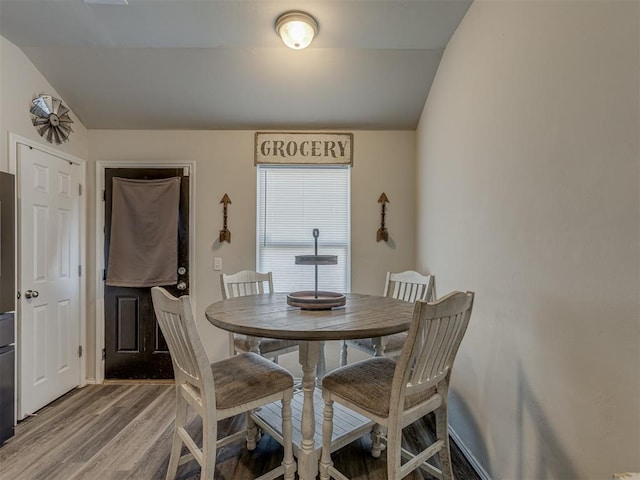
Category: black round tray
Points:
column 307, row 300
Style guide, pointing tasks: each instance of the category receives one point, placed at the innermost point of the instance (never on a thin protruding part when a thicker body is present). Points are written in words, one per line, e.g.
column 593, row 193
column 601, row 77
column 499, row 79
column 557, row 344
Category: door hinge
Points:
column 104, row 275
column 104, row 195
column 79, row 350
column 104, row 354
column 80, row 189
column 79, row 270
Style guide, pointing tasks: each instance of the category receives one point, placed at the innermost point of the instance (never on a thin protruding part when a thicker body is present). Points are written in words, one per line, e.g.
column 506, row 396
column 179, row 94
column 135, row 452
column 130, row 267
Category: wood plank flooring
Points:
column 123, row 432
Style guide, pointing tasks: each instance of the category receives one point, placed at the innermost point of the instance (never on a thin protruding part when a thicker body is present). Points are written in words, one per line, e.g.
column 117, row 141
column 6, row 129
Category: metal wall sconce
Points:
column 382, row 234
column 225, row 233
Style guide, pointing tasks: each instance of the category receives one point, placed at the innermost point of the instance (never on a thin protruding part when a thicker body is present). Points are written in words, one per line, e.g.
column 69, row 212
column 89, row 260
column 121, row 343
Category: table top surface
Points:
column 270, row 316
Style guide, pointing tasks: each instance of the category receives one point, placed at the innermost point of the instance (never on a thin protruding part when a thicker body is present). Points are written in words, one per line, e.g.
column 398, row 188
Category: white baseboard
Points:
column 482, row 473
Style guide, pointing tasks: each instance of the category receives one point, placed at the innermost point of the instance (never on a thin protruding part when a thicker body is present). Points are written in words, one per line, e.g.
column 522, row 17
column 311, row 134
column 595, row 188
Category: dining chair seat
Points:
column 246, row 378
column 368, row 384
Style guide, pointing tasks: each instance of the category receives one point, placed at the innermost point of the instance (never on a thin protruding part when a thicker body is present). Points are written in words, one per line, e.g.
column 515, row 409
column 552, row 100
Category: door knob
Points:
column 181, row 286
column 31, row 294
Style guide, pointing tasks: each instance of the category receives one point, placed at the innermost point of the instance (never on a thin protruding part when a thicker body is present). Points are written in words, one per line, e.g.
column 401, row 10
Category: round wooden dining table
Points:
column 270, row 316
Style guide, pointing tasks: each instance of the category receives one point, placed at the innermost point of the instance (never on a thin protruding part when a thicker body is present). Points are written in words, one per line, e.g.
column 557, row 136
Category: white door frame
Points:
column 14, row 141
column 101, row 166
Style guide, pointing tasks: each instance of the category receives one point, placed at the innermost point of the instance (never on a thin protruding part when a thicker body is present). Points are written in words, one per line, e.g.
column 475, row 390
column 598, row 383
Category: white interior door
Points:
column 49, row 284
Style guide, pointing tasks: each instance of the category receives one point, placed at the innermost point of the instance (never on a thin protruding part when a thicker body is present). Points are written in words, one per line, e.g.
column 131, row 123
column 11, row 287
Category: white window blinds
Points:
column 292, row 201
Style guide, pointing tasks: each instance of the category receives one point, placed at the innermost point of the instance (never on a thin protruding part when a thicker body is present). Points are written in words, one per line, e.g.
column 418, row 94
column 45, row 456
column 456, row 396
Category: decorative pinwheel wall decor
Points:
column 51, row 119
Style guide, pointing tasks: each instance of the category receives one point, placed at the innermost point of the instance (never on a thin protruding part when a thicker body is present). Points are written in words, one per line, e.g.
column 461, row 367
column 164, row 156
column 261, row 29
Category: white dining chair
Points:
column 396, row 394
column 216, row 391
column 408, row 286
column 248, row 282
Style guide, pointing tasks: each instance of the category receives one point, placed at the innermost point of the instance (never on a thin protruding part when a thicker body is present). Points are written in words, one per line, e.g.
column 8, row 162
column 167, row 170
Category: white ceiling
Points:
column 204, row 64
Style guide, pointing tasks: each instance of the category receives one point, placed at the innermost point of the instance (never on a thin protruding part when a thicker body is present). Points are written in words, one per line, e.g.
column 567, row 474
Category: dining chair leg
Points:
column 443, row 434
column 377, row 434
column 209, row 439
column 343, row 354
column 252, row 432
column 287, row 434
column 378, row 348
column 327, row 432
column 176, row 445
column 232, row 345
column 394, row 445
column 321, row 367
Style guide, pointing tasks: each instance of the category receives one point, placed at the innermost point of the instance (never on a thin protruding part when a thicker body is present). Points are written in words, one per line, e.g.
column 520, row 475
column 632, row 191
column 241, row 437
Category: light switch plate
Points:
column 217, row 263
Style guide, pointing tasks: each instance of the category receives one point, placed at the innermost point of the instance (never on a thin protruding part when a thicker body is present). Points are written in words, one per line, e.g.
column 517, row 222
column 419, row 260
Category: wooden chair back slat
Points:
column 433, row 362
column 433, row 340
column 178, row 326
column 409, row 286
column 176, row 338
column 245, row 283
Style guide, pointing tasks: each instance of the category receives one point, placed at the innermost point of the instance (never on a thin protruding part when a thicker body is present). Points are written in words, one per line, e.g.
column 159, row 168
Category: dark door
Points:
column 134, row 345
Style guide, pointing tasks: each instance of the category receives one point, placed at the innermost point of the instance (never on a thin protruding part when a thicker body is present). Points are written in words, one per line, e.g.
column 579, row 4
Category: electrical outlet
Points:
column 217, row 263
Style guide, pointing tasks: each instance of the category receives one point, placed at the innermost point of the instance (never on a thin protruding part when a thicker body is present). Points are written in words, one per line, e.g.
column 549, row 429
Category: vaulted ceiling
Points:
column 203, row 64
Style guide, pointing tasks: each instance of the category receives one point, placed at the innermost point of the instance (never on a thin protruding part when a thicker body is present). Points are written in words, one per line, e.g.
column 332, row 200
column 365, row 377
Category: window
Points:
column 292, row 201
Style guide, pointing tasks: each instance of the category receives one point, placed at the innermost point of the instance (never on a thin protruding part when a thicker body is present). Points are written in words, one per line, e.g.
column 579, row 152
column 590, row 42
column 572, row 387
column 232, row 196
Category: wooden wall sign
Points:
column 303, row 148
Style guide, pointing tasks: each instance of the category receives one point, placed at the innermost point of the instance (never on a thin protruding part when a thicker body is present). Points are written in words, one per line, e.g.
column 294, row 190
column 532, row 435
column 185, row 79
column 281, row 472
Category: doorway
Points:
column 50, row 306
column 134, row 347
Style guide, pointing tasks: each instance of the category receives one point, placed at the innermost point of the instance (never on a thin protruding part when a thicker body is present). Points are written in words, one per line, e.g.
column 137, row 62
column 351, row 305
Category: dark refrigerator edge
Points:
column 7, row 306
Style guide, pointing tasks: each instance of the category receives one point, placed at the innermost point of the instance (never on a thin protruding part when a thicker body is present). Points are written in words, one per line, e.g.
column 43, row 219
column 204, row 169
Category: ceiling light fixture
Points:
column 296, row 29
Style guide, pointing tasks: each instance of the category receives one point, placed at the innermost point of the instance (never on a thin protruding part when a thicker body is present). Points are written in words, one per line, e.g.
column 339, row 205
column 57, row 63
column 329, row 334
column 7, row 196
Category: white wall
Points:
column 528, row 194
column 383, row 161
column 20, row 83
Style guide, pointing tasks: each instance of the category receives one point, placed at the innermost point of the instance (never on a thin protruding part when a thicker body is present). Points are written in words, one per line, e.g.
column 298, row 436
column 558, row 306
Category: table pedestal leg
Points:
column 307, row 458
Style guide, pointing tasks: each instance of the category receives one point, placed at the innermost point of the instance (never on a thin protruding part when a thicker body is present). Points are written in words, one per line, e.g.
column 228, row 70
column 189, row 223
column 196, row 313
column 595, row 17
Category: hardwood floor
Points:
column 123, row 431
